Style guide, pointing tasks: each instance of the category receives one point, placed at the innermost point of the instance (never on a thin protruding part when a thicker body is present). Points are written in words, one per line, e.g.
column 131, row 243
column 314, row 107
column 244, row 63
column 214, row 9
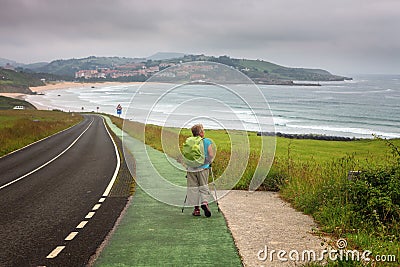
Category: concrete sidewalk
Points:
column 156, row 234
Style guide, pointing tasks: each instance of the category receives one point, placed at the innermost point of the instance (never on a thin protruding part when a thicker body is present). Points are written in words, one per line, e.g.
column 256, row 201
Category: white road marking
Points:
column 55, row 252
column 90, row 215
column 96, row 207
column 108, row 189
column 82, row 224
column 50, row 161
column 71, row 236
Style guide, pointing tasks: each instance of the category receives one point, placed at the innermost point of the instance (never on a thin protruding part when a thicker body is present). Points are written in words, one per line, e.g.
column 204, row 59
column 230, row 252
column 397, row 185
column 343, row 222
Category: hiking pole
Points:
column 184, row 202
column 215, row 187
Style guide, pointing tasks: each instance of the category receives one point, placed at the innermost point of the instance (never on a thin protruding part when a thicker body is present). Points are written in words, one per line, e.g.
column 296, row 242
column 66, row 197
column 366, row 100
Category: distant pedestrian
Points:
column 200, row 151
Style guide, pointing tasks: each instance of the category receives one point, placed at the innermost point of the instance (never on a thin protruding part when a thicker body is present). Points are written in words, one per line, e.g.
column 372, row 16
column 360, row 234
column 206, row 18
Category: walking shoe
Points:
column 206, row 209
column 196, row 212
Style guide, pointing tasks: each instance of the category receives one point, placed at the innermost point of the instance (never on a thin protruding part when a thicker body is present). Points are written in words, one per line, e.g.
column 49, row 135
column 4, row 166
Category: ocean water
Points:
column 367, row 105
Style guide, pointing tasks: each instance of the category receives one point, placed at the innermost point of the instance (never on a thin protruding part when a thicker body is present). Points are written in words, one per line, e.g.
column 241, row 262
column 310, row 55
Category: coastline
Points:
column 63, row 85
column 14, row 95
column 299, row 126
column 60, row 86
column 67, row 85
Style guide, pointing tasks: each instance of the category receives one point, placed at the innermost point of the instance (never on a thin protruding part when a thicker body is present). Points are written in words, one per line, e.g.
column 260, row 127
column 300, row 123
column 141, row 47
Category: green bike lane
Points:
column 153, row 233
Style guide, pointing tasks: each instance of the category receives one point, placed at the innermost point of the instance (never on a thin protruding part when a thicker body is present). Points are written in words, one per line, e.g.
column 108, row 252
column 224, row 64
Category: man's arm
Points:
column 210, row 153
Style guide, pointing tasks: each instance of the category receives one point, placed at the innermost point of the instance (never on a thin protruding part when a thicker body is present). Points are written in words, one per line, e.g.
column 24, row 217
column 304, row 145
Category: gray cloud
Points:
column 341, row 36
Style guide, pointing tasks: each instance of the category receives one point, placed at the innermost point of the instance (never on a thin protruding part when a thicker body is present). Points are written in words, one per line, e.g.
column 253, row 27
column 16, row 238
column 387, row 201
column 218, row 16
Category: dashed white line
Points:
column 82, row 224
column 96, row 207
column 55, row 252
column 90, row 215
column 71, row 236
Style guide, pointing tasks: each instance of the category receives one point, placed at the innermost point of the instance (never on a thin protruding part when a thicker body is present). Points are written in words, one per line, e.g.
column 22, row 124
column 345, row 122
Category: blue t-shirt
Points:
column 206, row 143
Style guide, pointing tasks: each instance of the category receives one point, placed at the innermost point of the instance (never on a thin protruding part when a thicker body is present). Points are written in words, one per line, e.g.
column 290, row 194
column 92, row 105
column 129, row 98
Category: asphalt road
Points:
column 53, row 206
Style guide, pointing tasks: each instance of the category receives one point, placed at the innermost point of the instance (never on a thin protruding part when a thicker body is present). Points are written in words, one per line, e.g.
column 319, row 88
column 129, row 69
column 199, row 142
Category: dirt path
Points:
column 261, row 221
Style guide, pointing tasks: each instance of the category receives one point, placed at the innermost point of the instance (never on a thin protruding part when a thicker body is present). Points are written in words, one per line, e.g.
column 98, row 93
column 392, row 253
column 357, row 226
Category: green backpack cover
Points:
column 193, row 152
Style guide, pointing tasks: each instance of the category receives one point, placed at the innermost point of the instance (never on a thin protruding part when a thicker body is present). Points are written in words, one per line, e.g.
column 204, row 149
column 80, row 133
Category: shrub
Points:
column 375, row 197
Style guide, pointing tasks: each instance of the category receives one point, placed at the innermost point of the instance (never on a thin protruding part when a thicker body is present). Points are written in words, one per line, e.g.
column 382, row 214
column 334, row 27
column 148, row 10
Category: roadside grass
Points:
column 19, row 128
column 313, row 175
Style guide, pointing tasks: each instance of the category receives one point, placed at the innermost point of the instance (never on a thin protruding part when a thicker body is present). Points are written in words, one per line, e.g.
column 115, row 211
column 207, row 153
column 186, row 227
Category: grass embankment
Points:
column 313, row 176
column 19, row 128
column 9, row 103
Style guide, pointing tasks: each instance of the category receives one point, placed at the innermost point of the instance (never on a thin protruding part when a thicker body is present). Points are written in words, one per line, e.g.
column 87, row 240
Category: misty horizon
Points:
column 339, row 36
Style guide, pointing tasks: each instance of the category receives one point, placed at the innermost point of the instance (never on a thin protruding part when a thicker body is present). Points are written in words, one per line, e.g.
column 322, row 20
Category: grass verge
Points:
column 19, row 128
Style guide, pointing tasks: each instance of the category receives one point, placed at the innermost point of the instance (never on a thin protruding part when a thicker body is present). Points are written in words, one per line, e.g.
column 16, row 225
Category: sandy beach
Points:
column 64, row 85
column 13, row 95
column 61, row 85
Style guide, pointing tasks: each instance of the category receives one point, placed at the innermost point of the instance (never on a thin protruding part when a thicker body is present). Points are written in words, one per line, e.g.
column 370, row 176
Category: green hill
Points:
column 281, row 72
column 19, row 81
column 10, row 103
column 259, row 71
column 266, row 72
column 68, row 67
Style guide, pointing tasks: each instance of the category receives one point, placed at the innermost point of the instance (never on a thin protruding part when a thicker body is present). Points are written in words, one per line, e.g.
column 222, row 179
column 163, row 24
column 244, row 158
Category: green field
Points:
column 19, row 128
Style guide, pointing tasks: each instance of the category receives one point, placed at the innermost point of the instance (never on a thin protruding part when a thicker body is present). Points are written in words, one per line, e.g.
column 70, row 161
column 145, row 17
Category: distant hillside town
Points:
column 140, row 69
column 127, row 70
column 19, row 77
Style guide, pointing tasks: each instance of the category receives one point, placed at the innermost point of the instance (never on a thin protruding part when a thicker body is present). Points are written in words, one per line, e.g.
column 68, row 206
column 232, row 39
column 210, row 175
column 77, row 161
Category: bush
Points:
column 375, row 197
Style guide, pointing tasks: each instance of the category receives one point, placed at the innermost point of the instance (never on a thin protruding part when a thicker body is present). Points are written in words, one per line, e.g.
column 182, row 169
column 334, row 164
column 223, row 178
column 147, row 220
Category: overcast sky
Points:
column 341, row 36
